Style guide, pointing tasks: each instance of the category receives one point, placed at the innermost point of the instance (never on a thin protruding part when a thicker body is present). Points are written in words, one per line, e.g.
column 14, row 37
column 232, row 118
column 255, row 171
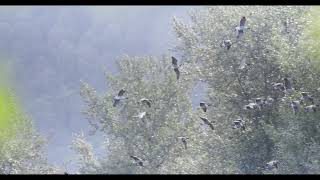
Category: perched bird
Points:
column 184, row 141
column 119, row 97
column 175, row 67
column 145, row 101
column 311, row 108
column 226, row 43
column 207, row 122
column 272, row 164
column 204, row 106
column 239, row 123
column 65, row 173
column 287, row 84
column 137, row 160
column 306, row 97
column 278, row 86
column 295, row 105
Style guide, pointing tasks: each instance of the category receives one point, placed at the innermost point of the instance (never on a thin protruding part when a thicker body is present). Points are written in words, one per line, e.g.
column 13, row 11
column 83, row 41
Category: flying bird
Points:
column 279, row 86
column 243, row 21
column 268, row 101
column 251, row 106
column 240, row 29
column 184, row 141
column 259, row 101
column 306, row 97
column 145, row 101
column 207, row 122
column 311, row 108
column 137, row 160
column 239, row 123
column 119, row 97
column 140, row 115
column 272, row 164
column 175, row 67
column 204, row 106
column 295, row 106
column 226, row 43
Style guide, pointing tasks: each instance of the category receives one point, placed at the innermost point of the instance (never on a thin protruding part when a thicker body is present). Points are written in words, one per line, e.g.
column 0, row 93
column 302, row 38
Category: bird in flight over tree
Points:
column 176, row 67
column 119, row 97
column 137, row 160
column 207, row 122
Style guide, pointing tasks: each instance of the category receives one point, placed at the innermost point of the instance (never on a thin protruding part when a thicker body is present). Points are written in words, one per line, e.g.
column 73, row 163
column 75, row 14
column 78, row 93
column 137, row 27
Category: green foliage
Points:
column 273, row 48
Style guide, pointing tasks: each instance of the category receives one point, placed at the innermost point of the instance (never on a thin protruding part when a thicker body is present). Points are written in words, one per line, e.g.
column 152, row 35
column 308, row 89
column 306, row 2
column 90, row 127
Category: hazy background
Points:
column 52, row 48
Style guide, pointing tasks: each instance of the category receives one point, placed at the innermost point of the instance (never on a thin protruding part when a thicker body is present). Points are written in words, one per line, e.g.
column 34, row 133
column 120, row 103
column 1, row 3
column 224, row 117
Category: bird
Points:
column 119, row 97
column 243, row 21
column 207, row 122
column 251, row 106
column 306, row 97
column 141, row 115
column 226, row 43
column 241, row 27
column 259, row 101
column 295, row 106
column 65, row 173
column 311, row 108
column 287, row 84
column 204, row 106
column 239, row 123
column 272, row 164
column 184, row 141
column 268, row 101
column 176, row 67
column 145, row 101
column 278, row 86
column 137, row 160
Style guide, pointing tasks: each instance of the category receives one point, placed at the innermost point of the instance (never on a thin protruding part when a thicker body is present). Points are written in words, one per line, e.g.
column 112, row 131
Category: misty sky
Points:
column 52, row 48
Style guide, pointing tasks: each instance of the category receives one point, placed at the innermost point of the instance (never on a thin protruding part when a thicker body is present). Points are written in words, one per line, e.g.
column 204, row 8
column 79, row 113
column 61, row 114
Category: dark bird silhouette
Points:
column 306, row 97
column 145, row 101
column 204, row 106
column 119, row 97
column 137, row 160
column 287, row 84
column 184, row 141
column 207, row 122
column 272, row 164
column 176, row 67
column 176, row 70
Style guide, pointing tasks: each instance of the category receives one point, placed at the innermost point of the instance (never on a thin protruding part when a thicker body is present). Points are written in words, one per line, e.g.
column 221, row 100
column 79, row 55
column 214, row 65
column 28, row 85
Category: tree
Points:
column 22, row 149
column 269, row 50
column 153, row 138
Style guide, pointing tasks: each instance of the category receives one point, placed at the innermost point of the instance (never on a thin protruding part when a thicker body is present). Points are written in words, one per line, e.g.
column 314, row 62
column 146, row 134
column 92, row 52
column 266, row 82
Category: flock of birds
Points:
column 255, row 104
